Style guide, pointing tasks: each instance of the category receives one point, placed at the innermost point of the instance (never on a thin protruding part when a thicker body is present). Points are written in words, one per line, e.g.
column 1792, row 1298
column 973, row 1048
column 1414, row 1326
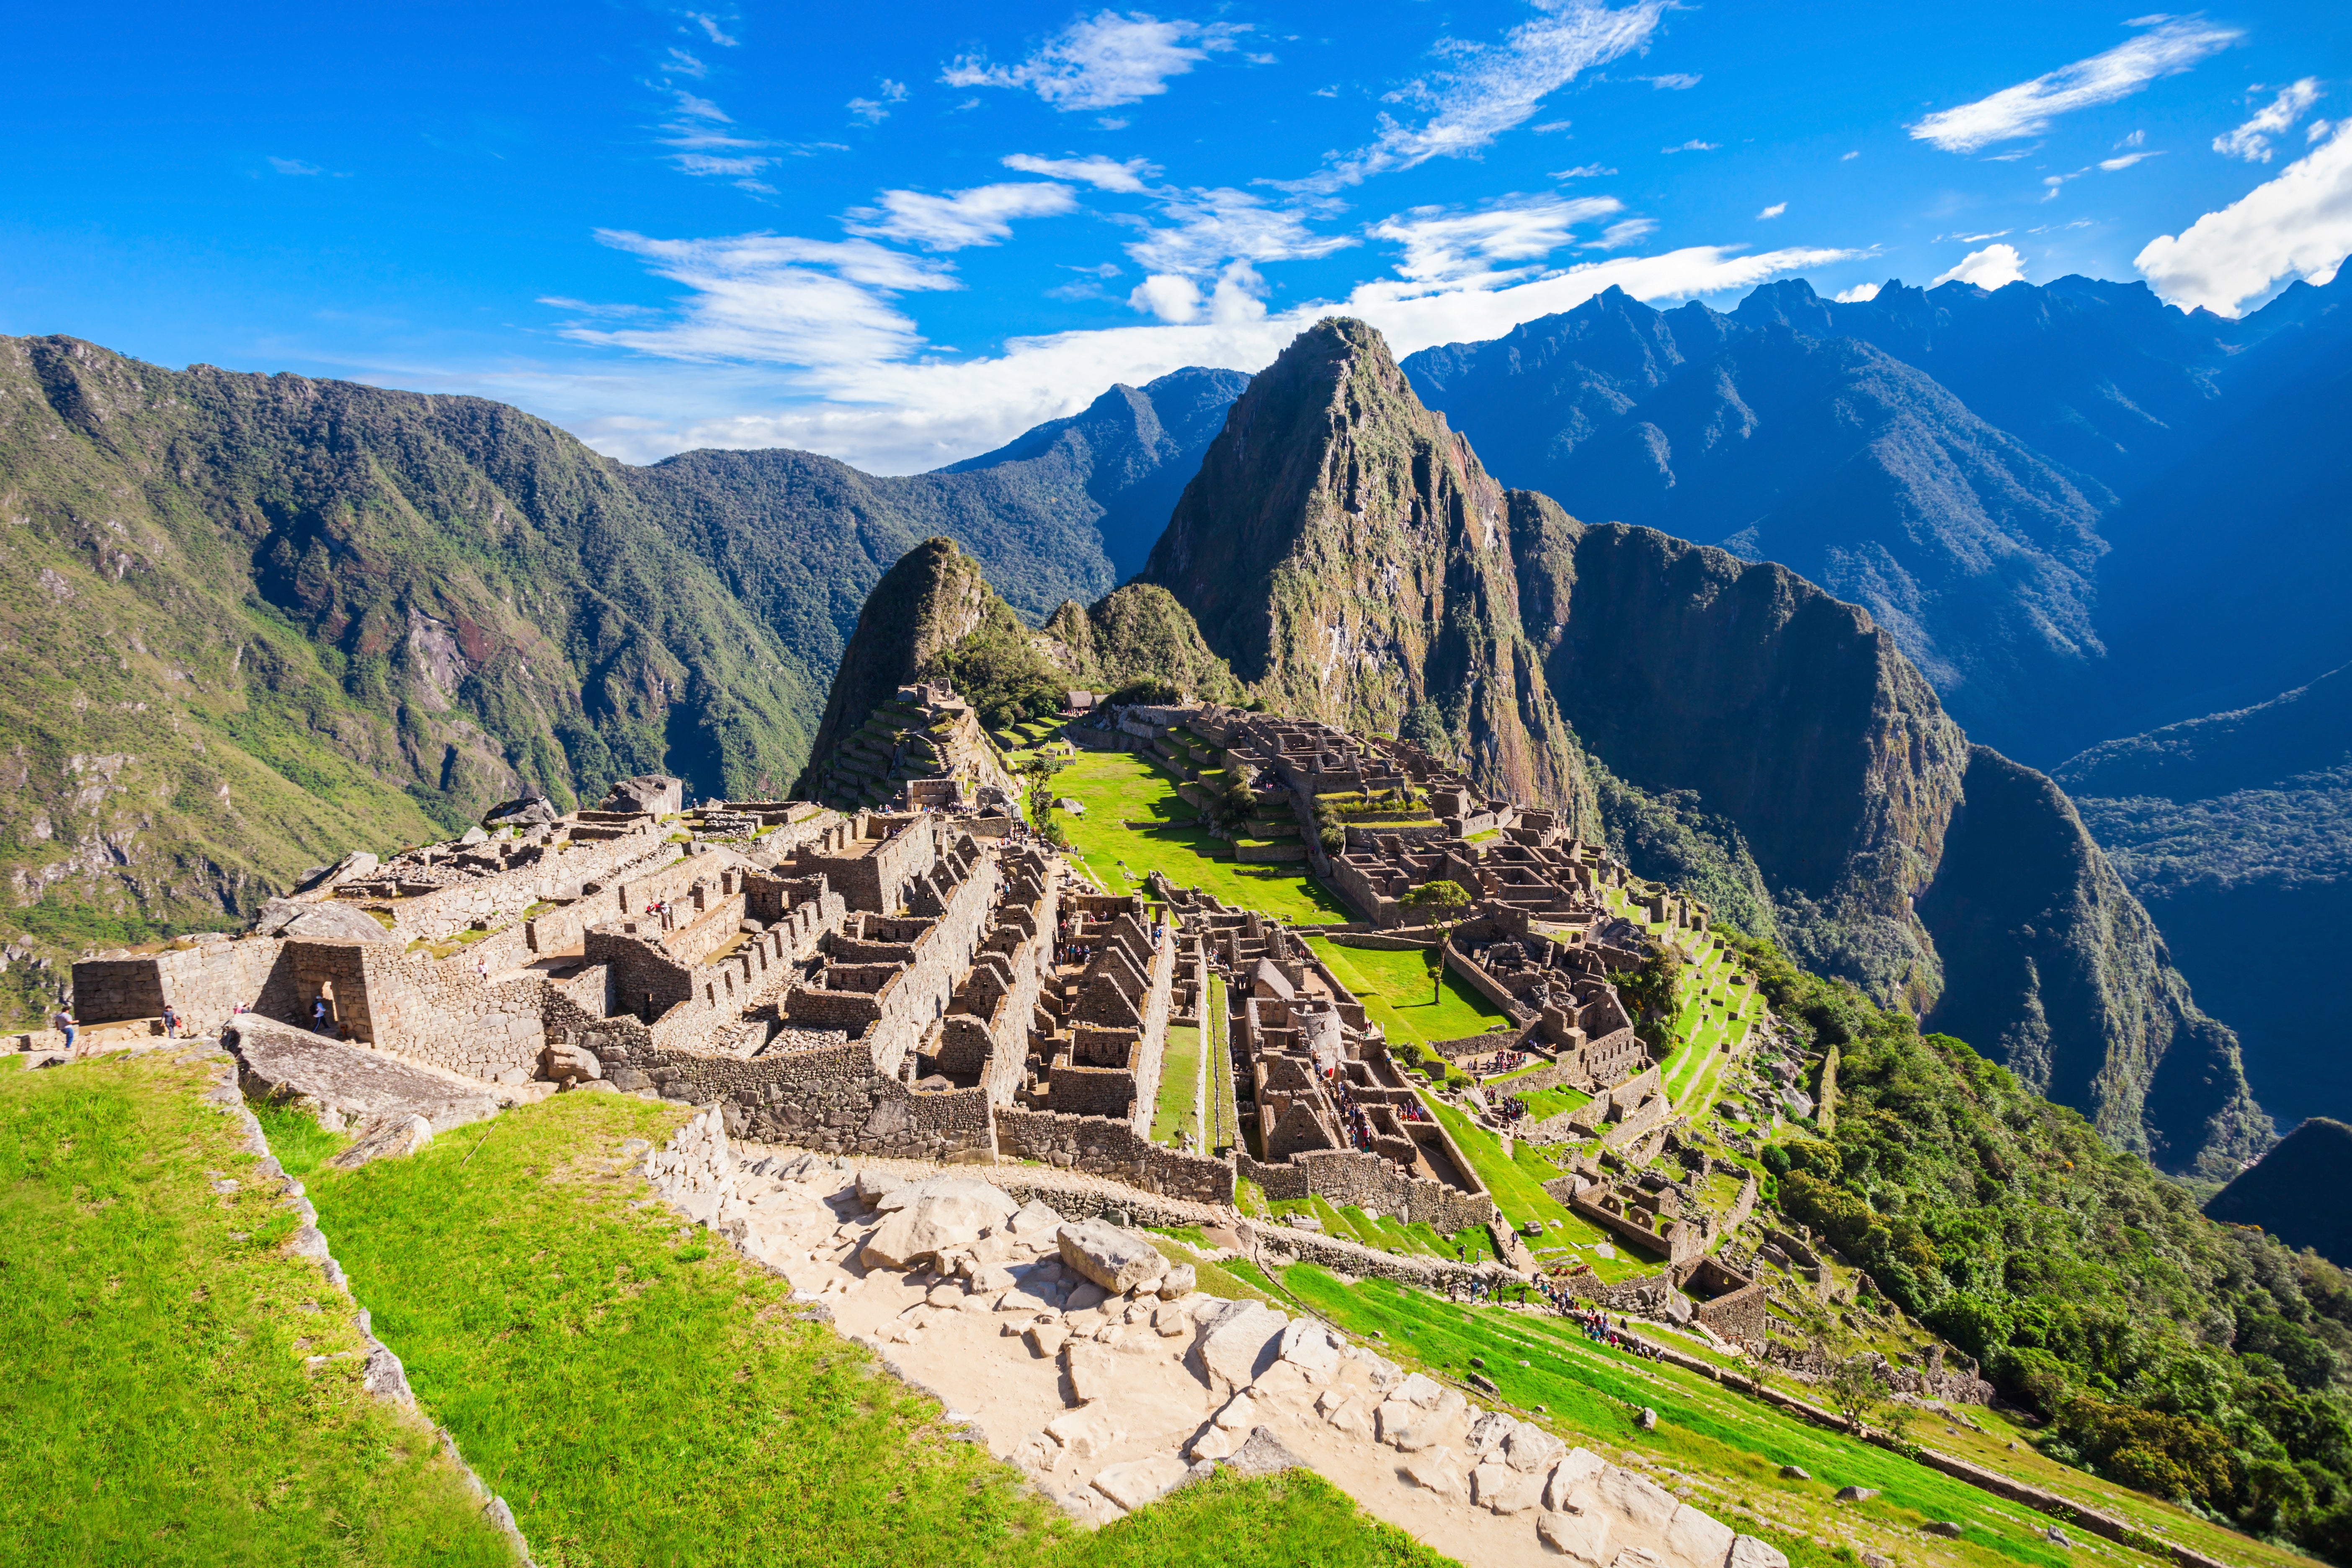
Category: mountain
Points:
column 2297, row 1191
column 1730, row 724
column 2023, row 485
column 251, row 623
column 1345, row 552
column 2235, row 830
column 1132, row 451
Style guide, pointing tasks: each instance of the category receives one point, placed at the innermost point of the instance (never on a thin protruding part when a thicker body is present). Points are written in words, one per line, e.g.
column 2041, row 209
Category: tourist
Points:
column 65, row 1023
column 318, row 1011
column 171, row 1023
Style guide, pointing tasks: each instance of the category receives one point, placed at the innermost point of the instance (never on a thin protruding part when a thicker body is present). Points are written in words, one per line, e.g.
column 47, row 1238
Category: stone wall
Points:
column 444, row 1012
column 1470, row 1046
column 1348, row 1257
column 1738, row 1316
column 829, row 1099
column 502, row 895
column 1104, row 1146
column 1486, row 985
column 202, row 983
column 1350, row 1176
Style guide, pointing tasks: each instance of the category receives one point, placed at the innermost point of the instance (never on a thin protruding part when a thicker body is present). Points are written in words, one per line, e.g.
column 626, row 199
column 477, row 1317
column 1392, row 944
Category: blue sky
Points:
column 902, row 234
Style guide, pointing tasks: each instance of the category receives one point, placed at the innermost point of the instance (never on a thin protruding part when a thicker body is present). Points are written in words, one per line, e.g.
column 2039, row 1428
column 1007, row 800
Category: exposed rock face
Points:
column 1346, row 552
column 345, row 1085
column 2300, row 1193
column 2053, row 967
column 931, row 600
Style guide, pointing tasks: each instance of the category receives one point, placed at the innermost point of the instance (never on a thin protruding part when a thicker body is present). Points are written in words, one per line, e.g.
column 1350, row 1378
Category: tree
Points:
column 1444, row 902
column 1854, row 1389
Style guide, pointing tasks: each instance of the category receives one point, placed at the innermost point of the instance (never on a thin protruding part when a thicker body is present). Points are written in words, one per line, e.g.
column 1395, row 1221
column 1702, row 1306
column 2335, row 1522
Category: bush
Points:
column 1148, row 691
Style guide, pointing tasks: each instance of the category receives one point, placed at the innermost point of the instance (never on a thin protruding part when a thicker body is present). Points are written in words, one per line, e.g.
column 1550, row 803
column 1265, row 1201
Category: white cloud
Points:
column 874, row 110
column 1213, row 226
column 2027, row 108
column 774, row 300
column 1102, row 61
column 295, row 167
column 1849, row 157
column 1452, row 248
column 1991, row 268
column 1677, row 82
column 1775, row 210
column 2318, row 128
column 2125, row 160
column 1176, row 298
column 683, row 64
column 1618, row 236
column 710, row 25
column 1582, row 172
column 1551, row 127
column 1860, row 294
column 889, row 412
column 982, row 215
column 2299, row 223
column 1171, row 297
column 1488, row 89
column 1694, row 145
column 1104, row 173
column 2251, row 140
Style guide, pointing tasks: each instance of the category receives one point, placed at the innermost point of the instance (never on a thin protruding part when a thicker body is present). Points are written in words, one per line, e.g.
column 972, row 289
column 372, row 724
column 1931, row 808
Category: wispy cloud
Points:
column 295, row 167
column 2251, row 140
column 981, row 216
column 710, row 29
column 2026, row 110
column 772, row 298
column 1474, row 248
column 1860, row 294
column 1618, row 236
column 1694, row 145
column 2298, row 225
column 1582, row 172
column 1103, row 173
column 1211, row 226
column 876, row 110
column 897, row 411
column 2125, row 160
column 1674, row 81
column 1487, row 89
column 1775, row 210
column 1991, row 268
column 1102, row 61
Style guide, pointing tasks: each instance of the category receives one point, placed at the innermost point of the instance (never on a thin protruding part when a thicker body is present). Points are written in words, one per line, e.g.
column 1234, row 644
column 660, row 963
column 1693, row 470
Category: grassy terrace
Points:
column 641, row 1396
column 1388, row 1234
column 1223, row 1111
column 153, row 1341
column 1119, row 787
column 1396, row 990
column 1179, row 1106
column 1516, row 1183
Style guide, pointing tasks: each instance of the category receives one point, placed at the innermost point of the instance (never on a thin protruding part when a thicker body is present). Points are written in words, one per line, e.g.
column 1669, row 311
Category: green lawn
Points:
column 153, row 1343
column 1178, row 1108
column 1118, row 788
column 1547, row 1102
column 642, row 1396
column 1388, row 1233
column 1591, row 1394
column 1395, row 990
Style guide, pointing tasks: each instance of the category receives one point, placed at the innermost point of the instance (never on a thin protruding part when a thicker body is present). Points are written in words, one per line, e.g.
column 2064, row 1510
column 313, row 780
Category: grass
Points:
column 1118, row 788
column 1396, row 990
column 1387, row 1233
column 1544, row 1102
column 1178, row 1105
column 643, row 1396
column 153, row 1339
column 1515, row 1185
column 300, row 1144
column 1591, row 1394
column 1225, row 1110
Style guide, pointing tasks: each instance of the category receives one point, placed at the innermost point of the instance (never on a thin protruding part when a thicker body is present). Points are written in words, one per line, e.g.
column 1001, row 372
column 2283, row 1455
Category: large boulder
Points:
column 1235, row 1341
column 559, row 1061
column 906, row 1195
column 323, row 921
column 385, row 1138
column 656, row 793
column 930, row 1226
column 523, row 811
column 1117, row 1260
column 352, row 867
column 1698, row 1539
column 343, row 1085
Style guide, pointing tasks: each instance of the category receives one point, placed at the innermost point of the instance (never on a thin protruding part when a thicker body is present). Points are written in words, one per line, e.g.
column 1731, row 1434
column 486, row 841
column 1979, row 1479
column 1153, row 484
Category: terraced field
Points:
column 1396, row 990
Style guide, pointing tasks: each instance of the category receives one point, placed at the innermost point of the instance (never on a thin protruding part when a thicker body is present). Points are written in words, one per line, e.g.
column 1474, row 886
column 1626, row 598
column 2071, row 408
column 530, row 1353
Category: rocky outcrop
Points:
column 1343, row 550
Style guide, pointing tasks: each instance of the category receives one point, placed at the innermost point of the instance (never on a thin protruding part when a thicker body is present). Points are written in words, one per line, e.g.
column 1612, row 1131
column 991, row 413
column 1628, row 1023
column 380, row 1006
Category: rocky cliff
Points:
column 1345, row 552
column 1726, row 722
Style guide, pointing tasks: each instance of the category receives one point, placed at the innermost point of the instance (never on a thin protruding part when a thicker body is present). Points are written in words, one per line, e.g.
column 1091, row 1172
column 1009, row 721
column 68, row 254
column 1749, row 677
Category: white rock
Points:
column 1579, row 1534
column 1139, row 1481
column 930, row 1225
column 1307, row 1345
column 1282, row 1382
column 1698, row 1539
column 1406, row 1427
column 1117, row 1260
column 1641, row 1500
column 1216, row 1442
column 1419, row 1390
column 1239, row 1413
column 1531, row 1450
column 1746, row 1552
column 1093, row 1371
column 1087, row 1432
column 1034, row 1219
column 1045, row 1340
column 994, row 1199
column 1635, row 1557
column 1573, row 1475
column 1434, row 1471
column 1238, row 1341
column 1180, row 1281
column 1487, row 1433
column 1498, row 1488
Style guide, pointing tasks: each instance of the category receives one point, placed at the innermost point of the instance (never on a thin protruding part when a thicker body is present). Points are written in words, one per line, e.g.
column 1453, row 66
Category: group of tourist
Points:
column 1502, row 1062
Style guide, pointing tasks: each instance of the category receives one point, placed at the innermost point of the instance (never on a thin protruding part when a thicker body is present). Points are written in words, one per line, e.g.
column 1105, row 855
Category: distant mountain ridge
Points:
column 1733, row 725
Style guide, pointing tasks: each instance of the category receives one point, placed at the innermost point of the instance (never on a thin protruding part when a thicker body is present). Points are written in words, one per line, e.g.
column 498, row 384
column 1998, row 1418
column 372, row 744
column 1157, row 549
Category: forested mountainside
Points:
column 2235, row 830
column 2301, row 1192
column 1733, row 726
column 2062, row 500
column 252, row 622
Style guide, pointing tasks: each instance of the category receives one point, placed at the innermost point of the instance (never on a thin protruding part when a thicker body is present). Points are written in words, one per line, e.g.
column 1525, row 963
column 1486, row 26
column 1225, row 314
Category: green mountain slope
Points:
column 1729, row 724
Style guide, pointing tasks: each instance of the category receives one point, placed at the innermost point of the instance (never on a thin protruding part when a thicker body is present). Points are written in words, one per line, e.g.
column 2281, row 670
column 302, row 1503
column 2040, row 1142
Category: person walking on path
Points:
column 65, row 1022
column 171, row 1023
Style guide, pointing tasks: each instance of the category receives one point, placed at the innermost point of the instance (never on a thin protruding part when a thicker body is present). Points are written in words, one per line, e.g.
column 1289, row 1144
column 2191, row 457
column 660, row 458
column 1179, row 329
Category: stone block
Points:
column 1643, row 1503
column 1139, row 1481
column 1580, row 1534
column 1571, row 1476
column 1084, row 1433
column 1434, row 1471
column 1698, row 1540
column 1746, row 1552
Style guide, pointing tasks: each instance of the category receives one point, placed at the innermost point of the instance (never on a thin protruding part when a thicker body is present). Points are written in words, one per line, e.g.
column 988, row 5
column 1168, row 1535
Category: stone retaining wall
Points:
column 1342, row 1177
column 829, row 1099
column 1102, row 1146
